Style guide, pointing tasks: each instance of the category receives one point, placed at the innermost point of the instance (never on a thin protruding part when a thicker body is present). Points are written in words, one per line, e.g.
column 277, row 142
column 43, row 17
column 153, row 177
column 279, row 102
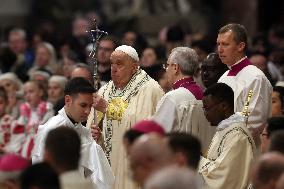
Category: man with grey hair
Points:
column 130, row 96
column 173, row 178
column 181, row 109
column 267, row 170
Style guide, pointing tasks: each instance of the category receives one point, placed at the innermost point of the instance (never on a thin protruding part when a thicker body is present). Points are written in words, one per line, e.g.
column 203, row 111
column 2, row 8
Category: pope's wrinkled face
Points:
column 79, row 106
column 123, row 68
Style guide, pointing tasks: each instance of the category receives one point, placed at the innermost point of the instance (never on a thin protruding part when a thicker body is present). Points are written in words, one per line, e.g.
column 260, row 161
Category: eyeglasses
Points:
column 165, row 66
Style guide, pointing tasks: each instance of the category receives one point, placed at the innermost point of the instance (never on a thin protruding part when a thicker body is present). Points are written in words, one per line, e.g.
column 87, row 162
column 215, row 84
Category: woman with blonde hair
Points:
column 13, row 87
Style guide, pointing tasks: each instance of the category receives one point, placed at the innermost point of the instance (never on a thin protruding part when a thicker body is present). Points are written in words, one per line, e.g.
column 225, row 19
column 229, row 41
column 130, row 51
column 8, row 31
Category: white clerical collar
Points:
column 230, row 67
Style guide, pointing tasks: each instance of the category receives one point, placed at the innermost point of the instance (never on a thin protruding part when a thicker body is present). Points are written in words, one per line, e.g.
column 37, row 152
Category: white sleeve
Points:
column 38, row 150
column 94, row 160
column 232, row 167
column 260, row 104
column 166, row 113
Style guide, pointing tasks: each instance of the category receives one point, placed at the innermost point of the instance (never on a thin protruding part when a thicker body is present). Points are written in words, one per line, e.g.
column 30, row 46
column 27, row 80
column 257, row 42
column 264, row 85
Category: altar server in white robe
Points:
column 242, row 77
column 78, row 103
column 232, row 149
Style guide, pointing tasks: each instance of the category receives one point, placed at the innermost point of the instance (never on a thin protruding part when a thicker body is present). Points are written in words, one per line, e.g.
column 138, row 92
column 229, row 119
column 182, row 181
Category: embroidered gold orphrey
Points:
column 118, row 103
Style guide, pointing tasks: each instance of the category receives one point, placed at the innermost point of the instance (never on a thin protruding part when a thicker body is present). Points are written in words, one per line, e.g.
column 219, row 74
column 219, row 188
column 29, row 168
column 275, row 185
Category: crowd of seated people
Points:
column 236, row 145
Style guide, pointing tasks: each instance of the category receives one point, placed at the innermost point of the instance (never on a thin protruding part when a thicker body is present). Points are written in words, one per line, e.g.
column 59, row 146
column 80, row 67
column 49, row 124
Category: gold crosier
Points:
column 246, row 111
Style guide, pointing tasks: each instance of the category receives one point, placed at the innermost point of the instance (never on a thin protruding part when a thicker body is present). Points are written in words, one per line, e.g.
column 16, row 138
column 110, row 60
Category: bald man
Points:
column 148, row 154
column 267, row 170
column 82, row 70
column 130, row 96
column 280, row 182
column 174, row 178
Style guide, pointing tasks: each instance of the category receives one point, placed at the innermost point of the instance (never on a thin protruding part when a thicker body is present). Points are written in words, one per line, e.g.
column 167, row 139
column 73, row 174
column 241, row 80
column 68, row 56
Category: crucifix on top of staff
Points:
column 96, row 35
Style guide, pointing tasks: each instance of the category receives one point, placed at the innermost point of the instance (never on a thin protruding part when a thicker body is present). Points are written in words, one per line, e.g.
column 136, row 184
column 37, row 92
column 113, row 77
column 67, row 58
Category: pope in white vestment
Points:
column 131, row 95
column 135, row 102
column 93, row 163
column 230, row 155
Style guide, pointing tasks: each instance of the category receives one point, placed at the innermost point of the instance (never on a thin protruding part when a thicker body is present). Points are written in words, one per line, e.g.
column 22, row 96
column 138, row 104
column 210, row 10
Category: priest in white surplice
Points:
column 243, row 77
column 78, row 103
column 232, row 149
column 181, row 109
column 130, row 96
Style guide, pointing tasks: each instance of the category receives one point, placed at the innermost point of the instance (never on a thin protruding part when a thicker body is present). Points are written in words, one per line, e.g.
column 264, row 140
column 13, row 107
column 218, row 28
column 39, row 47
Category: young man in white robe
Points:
column 78, row 103
column 64, row 157
column 232, row 149
column 242, row 77
column 131, row 95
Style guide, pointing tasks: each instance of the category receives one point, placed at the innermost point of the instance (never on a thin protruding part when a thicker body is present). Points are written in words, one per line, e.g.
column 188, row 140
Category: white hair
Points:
column 35, row 73
column 61, row 80
column 13, row 78
column 186, row 58
column 172, row 178
column 21, row 32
